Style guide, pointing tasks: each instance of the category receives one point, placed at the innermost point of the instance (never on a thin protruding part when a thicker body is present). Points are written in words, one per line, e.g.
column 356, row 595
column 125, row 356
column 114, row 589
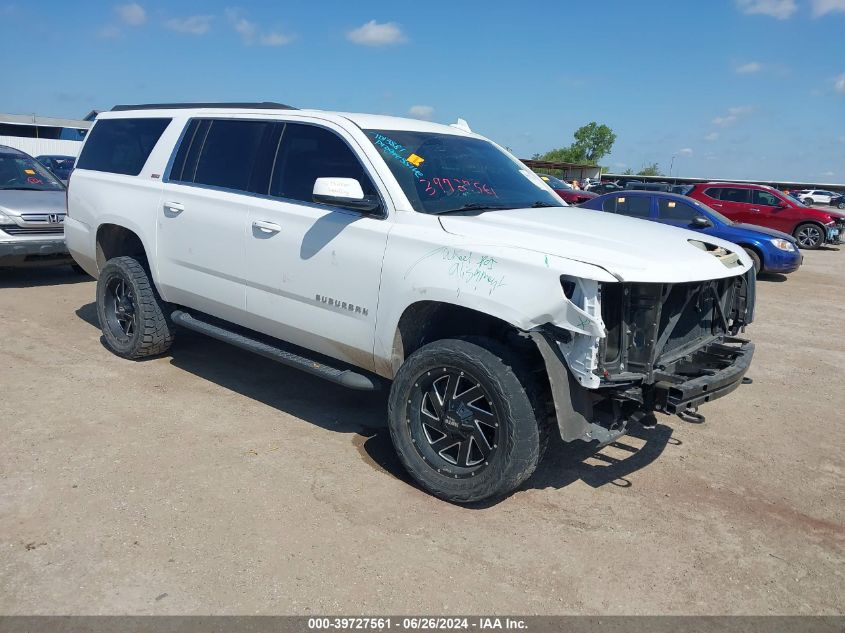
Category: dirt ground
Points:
column 214, row 481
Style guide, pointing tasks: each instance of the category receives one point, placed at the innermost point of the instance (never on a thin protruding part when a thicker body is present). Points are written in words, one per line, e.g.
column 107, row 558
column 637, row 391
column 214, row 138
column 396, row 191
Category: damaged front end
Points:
column 668, row 347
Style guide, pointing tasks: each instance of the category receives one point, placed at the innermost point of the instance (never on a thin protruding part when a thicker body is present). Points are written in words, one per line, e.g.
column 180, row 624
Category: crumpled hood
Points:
column 628, row 248
column 18, row 201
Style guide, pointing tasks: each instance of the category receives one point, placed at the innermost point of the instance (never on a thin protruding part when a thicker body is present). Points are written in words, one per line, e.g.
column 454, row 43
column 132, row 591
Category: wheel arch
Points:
column 814, row 222
column 115, row 240
column 426, row 321
column 753, row 246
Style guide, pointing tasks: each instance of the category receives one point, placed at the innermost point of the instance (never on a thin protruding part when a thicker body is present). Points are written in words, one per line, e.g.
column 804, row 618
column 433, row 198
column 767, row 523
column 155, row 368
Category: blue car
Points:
column 771, row 251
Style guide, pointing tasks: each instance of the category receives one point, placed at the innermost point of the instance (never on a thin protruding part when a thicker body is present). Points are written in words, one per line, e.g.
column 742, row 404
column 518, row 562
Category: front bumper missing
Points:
column 721, row 365
column 602, row 415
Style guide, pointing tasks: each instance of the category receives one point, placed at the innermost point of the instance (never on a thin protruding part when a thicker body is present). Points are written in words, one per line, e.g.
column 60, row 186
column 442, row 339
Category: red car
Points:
column 566, row 191
column 766, row 206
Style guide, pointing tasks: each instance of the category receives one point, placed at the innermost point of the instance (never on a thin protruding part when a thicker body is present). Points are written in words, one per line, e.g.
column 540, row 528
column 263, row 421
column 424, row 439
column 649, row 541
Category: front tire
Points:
column 755, row 258
column 809, row 236
column 809, row 202
column 133, row 318
column 840, row 205
column 467, row 423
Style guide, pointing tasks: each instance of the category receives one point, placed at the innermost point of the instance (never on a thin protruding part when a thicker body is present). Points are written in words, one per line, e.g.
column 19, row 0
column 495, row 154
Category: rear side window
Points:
column 633, row 206
column 121, row 146
column 736, row 195
column 308, row 152
column 713, row 192
column 231, row 156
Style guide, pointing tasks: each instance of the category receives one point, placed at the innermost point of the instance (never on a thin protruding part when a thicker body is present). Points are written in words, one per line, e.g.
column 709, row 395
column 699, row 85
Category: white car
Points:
column 816, row 196
column 372, row 250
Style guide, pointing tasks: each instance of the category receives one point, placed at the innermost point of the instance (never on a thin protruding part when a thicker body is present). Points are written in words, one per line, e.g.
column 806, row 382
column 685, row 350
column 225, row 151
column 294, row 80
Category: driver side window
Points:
column 765, row 198
column 308, row 152
column 675, row 211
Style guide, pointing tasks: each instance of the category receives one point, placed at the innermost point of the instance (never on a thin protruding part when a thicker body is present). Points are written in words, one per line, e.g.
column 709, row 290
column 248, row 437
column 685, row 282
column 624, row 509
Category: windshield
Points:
column 555, row 183
column 23, row 172
column 446, row 172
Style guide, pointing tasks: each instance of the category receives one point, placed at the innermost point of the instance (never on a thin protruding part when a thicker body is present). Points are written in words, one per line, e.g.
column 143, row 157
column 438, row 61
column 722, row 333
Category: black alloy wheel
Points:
column 133, row 317
column 454, row 425
column 120, row 308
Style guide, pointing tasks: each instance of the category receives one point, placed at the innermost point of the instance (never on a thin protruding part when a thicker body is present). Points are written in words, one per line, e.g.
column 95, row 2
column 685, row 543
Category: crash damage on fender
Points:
column 667, row 348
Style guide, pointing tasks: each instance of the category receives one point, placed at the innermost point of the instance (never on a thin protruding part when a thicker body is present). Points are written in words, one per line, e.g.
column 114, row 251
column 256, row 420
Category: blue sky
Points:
column 731, row 88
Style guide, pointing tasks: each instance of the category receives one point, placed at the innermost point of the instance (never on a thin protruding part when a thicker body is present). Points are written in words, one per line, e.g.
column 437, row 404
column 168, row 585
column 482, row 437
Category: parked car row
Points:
column 751, row 206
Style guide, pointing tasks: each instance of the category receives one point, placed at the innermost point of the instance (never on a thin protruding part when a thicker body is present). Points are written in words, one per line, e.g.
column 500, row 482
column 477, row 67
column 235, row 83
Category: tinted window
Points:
column 634, row 206
column 713, row 192
column 765, row 198
column 308, row 152
column 121, row 146
column 231, row 155
column 730, row 194
column 674, row 210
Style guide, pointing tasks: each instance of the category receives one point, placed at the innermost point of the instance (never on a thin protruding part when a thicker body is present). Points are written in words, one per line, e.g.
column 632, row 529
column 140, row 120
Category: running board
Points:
column 343, row 377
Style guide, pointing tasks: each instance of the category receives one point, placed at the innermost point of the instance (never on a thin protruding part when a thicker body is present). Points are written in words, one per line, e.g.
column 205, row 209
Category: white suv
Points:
column 815, row 196
column 371, row 250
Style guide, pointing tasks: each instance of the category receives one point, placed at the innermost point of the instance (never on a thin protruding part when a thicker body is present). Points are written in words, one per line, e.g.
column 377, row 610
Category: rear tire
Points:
column 134, row 319
column 809, row 202
column 755, row 258
column 467, row 422
column 809, row 236
column 841, row 205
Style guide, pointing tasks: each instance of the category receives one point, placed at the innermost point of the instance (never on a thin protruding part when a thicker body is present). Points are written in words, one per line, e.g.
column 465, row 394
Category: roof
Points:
column 46, row 121
column 364, row 121
column 261, row 105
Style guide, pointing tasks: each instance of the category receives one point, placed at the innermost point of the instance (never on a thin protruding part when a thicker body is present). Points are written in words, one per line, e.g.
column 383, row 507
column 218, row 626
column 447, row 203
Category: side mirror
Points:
column 344, row 192
column 701, row 222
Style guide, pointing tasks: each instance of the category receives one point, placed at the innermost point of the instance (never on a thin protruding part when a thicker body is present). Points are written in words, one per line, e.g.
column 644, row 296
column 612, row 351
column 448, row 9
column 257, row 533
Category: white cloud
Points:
column 192, row 25
column 780, row 9
column 109, row 32
column 839, row 83
column 250, row 34
column 734, row 114
column 274, row 39
column 748, row 69
column 421, row 112
column 828, row 173
column 713, row 136
column 687, row 151
column 823, row 7
column 377, row 34
column 243, row 27
column 132, row 14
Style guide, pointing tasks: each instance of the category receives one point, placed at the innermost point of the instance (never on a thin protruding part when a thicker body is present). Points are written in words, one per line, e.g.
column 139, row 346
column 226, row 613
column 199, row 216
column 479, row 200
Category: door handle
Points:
column 266, row 227
column 174, row 207
column 755, row 210
column 716, row 205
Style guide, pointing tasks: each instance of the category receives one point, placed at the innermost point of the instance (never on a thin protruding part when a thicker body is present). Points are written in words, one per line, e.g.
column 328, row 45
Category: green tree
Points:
column 650, row 170
column 592, row 143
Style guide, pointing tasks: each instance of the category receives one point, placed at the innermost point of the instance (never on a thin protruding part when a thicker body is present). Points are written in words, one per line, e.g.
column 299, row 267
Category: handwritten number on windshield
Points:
column 451, row 186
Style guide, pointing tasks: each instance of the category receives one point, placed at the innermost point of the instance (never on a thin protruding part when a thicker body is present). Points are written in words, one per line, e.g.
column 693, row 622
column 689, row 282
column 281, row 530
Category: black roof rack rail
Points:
column 262, row 105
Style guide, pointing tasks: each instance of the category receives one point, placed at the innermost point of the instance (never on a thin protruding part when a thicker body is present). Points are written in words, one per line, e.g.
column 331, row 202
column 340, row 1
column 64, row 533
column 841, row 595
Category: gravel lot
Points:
column 214, row 481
